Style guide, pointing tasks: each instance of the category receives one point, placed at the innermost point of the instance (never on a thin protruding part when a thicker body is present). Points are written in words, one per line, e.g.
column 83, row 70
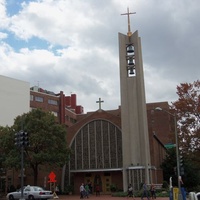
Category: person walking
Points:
column 90, row 187
column 82, row 191
column 130, row 191
column 145, row 191
column 87, row 190
column 97, row 190
column 153, row 191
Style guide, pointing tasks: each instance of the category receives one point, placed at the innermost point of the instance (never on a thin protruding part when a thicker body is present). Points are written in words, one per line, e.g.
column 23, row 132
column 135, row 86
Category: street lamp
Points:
column 177, row 150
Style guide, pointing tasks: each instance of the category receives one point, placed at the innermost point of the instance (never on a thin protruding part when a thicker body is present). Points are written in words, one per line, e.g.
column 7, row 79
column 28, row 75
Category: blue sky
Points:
column 72, row 46
column 13, row 6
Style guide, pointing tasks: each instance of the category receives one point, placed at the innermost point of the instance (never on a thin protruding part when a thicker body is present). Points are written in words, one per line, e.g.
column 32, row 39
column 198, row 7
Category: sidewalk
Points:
column 94, row 197
column 105, row 197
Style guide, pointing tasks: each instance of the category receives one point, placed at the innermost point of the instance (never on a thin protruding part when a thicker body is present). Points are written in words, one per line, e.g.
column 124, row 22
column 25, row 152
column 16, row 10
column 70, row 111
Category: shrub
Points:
column 165, row 184
column 113, row 188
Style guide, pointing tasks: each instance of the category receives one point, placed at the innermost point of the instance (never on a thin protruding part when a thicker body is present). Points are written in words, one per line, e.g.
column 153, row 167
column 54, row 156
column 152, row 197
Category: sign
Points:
column 52, row 177
column 175, row 193
column 169, row 146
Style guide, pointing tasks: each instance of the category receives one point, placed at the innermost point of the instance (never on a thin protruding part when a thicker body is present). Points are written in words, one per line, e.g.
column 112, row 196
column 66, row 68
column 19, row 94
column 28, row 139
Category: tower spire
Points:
column 129, row 27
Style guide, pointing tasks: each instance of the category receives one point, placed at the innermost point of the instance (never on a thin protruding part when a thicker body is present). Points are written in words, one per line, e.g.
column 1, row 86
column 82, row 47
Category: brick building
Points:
column 65, row 108
column 96, row 142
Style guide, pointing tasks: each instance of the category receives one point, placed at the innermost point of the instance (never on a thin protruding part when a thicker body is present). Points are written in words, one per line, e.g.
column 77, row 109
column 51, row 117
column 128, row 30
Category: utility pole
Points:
column 180, row 197
column 21, row 140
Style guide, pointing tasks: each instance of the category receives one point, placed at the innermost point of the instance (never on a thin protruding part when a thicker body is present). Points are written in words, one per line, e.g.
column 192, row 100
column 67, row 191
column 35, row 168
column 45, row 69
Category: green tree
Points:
column 169, row 166
column 47, row 141
column 6, row 149
column 191, row 175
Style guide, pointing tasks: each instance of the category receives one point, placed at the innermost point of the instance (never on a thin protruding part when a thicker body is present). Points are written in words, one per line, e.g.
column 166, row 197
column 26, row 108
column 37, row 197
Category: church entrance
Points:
column 101, row 180
column 106, row 182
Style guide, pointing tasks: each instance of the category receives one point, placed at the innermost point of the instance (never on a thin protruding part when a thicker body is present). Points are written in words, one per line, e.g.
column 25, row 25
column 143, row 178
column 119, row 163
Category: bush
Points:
column 119, row 194
column 165, row 185
column 159, row 193
column 68, row 189
column 195, row 189
column 113, row 188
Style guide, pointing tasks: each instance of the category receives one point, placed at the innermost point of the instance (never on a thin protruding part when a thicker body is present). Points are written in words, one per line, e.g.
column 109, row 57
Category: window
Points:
column 53, row 102
column 31, row 97
column 39, row 99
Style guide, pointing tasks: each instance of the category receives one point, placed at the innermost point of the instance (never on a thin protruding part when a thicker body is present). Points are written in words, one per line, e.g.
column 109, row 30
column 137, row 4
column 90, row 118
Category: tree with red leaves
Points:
column 187, row 109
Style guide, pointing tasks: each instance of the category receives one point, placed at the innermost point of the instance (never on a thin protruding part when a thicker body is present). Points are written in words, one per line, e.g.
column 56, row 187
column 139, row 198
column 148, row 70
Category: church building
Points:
column 110, row 147
column 97, row 150
column 115, row 147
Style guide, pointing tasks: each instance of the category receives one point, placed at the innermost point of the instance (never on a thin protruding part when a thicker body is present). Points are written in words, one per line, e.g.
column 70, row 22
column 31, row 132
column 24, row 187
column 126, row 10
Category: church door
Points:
column 106, row 182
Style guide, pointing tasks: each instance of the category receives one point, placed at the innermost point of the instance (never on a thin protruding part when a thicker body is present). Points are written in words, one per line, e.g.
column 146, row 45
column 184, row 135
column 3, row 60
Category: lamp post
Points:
column 177, row 150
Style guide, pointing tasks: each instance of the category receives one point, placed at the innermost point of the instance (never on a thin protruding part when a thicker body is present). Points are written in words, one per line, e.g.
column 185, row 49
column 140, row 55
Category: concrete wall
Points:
column 14, row 99
column 135, row 138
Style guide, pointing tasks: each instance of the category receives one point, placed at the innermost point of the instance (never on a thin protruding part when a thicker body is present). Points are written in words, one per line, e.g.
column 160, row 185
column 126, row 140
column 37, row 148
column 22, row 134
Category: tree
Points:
column 169, row 166
column 189, row 178
column 6, row 142
column 47, row 141
column 187, row 109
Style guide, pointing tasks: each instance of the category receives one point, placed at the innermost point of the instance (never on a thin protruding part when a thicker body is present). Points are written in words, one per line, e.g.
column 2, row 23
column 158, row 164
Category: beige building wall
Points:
column 15, row 99
column 135, row 141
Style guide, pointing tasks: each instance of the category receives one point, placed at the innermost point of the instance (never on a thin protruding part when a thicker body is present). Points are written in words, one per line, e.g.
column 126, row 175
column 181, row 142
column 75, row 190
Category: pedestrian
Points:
column 90, row 187
column 153, row 191
column 145, row 191
column 87, row 190
column 57, row 190
column 130, row 191
column 82, row 190
column 97, row 190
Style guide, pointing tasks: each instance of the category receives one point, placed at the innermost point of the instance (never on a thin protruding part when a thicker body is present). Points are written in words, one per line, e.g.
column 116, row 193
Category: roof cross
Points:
column 99, row 102
column 129, row 27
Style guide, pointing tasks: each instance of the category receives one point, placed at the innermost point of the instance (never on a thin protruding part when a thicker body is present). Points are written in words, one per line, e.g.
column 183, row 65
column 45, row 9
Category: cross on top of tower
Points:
column 100, row 101
column 129, row 27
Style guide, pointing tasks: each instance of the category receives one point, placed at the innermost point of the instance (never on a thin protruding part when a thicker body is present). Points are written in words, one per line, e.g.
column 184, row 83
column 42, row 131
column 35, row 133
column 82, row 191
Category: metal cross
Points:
column 129, row 27
column 99, row 102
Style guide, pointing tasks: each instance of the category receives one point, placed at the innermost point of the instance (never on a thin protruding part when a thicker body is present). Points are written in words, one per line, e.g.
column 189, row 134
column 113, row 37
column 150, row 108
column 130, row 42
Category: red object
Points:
column 52, row 177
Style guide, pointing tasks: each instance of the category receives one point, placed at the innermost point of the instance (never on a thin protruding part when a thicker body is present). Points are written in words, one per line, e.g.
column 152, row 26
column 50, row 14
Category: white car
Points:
column 194, row 196
column 31, row 193
column 198, row 196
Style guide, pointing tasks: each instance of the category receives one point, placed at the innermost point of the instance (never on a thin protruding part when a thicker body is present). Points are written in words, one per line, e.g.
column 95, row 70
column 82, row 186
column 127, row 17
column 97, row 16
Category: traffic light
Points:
column 24, row 139
column 21, row 139
column 17, row 139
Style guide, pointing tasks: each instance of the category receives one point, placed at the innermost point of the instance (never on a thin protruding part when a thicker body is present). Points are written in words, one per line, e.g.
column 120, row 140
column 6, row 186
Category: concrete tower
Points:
column 135, row 140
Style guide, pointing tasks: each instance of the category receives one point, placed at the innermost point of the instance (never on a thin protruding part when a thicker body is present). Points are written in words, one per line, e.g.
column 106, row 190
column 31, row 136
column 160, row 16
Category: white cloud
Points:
column 3, row 17
column 81, row 53
column 3, row 35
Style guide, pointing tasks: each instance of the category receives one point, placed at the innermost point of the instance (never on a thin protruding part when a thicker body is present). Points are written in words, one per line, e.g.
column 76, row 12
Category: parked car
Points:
column 194, row 196
column 31, row 193
column 198, row 196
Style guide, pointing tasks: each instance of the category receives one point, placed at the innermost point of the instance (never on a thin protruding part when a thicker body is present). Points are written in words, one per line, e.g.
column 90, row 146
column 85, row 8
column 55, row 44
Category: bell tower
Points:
column 135, row 139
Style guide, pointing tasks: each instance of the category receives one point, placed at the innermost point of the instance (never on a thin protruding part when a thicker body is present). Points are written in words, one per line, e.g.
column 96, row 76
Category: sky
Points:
column 72, row 46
